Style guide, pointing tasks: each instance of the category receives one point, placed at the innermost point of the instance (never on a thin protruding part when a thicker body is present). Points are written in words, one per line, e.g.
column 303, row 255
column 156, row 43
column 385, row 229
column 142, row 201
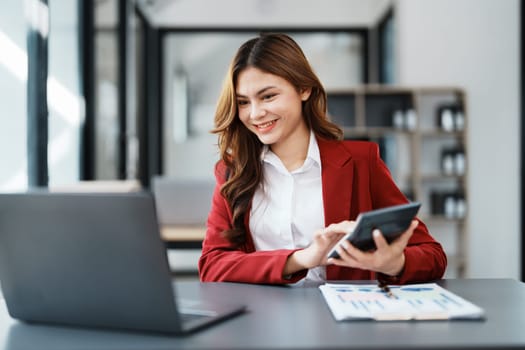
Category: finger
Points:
column 379, row 240
column 334, row 234
column 353, row 253
column 324, row 234
column 345, row 259
column 405, row 237
column 319, row 233
column 329, row 239
column 413, row 226
column 343, row 254
column 343, row 226
column 401, row 241
column 350, row 225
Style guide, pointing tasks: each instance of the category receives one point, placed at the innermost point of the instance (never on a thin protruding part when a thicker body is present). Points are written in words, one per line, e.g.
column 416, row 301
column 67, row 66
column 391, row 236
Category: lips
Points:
column 265, row 125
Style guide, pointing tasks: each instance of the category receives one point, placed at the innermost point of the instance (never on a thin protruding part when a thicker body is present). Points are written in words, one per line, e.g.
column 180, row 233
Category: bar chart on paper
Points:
column 427, row 301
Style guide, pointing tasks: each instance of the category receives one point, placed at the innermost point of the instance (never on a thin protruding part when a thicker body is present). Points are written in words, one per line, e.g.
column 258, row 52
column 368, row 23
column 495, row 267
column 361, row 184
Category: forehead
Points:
column 251, row 80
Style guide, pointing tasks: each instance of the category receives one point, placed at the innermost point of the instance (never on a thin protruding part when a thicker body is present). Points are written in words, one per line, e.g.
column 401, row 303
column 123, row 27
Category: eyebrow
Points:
column 263, row 90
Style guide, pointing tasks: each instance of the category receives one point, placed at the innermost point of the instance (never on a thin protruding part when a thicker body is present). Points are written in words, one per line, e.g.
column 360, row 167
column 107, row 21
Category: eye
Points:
column 241, row 103
column 269, row 96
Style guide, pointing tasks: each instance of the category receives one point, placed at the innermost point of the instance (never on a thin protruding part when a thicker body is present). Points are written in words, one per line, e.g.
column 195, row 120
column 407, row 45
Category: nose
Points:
column 257, row 111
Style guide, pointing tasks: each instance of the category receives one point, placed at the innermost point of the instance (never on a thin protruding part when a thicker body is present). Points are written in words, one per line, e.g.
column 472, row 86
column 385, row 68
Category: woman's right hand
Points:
column 316, row 253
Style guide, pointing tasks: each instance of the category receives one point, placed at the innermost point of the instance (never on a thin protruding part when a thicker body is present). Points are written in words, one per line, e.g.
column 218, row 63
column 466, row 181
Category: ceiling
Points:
column 263, row 13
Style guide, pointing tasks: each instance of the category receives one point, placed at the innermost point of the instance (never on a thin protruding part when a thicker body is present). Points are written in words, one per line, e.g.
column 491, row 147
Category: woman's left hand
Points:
column 387, row 258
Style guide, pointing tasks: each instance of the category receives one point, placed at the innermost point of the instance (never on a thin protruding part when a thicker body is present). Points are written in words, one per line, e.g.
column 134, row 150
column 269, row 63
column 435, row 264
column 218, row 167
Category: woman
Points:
column 288, row 188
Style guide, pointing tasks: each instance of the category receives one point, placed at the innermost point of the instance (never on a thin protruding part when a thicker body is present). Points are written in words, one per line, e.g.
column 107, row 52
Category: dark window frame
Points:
column 522, row 151
column 86, row 17
column 381, row 54
column 37, row 108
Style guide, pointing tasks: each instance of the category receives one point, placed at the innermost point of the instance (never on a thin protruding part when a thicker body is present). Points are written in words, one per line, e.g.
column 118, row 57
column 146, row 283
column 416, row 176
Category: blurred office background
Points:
column 126, row 90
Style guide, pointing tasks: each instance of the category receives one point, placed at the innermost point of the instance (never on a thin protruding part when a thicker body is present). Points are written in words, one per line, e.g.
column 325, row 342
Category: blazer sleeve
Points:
column 220, row 261
column 425, row 258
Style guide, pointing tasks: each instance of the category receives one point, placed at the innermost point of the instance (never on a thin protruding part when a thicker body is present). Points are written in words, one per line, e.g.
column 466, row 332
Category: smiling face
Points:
column 271, row 107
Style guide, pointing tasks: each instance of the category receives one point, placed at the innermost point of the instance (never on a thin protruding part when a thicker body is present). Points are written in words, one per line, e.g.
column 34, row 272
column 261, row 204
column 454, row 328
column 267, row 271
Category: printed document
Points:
column 426, row 301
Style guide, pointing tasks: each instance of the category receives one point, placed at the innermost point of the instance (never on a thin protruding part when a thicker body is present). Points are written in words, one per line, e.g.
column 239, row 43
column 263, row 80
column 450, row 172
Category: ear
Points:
column 305, row 93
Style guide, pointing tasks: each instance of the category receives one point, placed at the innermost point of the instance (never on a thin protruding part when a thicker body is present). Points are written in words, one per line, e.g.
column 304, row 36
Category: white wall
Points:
column 475, row 44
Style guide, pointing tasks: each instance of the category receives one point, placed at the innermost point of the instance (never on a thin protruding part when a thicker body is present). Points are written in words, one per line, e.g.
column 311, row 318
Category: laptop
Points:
column 93, row 260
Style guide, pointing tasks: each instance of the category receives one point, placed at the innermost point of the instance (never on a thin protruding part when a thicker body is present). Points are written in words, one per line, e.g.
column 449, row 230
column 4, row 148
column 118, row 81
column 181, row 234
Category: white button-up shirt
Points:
column 287, row 207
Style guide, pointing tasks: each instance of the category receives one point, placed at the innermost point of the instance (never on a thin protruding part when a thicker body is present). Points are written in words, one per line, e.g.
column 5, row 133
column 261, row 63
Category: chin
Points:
column 268, row 139
column 265, row 141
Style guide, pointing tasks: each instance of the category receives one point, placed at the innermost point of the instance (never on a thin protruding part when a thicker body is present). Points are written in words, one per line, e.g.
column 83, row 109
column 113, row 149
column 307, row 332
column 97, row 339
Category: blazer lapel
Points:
column 337, row 179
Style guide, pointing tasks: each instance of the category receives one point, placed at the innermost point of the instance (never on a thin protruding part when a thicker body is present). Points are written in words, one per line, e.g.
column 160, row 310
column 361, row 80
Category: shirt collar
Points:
column 313, row 155
column 313, row 150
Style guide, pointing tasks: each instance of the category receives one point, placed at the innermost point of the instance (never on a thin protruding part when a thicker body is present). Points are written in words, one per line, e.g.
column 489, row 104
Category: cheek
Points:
column 290, row 106
column 290, row 110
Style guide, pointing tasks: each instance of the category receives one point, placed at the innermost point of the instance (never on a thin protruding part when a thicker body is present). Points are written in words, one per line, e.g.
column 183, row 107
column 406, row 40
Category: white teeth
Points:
column 265, row 125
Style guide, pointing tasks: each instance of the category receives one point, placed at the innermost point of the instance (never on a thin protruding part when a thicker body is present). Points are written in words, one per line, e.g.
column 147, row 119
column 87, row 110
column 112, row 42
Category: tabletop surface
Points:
column 280, row 317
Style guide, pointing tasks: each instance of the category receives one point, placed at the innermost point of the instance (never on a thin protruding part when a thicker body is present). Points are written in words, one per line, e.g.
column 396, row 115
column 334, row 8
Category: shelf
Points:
column 441, row 219
column 374, row 131
column 441, row 133
column 441, row 177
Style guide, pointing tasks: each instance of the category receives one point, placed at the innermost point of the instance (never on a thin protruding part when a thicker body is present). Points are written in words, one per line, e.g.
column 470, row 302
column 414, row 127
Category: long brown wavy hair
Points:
column 239, row 148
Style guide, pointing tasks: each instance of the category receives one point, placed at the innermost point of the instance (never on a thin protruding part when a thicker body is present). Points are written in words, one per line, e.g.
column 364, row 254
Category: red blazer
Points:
column 354, row 179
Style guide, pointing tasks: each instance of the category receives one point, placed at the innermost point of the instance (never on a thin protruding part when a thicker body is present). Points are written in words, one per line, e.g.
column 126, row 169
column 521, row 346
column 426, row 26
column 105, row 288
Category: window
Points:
column 13, row 78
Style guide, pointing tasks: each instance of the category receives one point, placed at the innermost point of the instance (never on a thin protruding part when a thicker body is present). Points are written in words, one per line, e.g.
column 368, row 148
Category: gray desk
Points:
column 298, row 318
